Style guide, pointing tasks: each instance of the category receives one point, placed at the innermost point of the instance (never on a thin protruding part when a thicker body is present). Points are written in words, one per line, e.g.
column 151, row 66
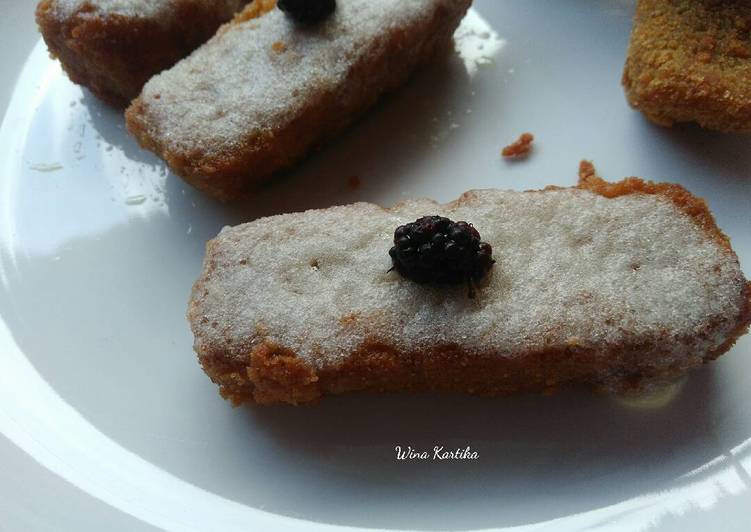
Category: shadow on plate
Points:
column 724, row 157
column 109, row 124
column 531, row 449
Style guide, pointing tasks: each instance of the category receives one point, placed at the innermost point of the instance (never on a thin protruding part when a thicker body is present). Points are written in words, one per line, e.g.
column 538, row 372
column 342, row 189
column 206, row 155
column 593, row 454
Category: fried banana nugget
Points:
column 614, row 286
column 266, row 91
column 113, row 47
column 690, row 61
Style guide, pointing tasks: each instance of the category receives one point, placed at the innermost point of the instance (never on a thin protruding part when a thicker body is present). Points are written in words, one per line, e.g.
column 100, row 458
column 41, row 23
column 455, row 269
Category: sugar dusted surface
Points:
column 263, row 71
column 572, row 266
column 132, row 8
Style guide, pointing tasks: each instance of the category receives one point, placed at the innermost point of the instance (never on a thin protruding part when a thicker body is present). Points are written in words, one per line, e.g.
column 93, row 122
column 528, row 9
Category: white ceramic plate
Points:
column 108, row 423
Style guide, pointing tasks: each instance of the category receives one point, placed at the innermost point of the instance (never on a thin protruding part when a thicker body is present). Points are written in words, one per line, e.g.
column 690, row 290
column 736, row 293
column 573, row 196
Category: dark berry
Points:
column 435, row 249
column 307, row 11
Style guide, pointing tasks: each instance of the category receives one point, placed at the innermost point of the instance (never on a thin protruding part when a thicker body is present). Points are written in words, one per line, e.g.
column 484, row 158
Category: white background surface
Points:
column 119, row 427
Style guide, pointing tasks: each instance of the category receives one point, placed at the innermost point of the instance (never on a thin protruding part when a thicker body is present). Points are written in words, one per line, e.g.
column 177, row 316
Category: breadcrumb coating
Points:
column 690, row 61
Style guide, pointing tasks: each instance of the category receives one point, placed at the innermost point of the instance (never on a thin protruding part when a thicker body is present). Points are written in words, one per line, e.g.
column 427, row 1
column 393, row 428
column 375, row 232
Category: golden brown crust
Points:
column 279, row 375
column 273, row 374
column 230, row 175
column 269, row 373
column 690, row 61
column 114, row 55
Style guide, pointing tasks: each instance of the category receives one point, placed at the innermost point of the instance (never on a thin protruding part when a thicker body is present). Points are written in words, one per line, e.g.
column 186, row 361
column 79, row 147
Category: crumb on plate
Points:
column 520, row 148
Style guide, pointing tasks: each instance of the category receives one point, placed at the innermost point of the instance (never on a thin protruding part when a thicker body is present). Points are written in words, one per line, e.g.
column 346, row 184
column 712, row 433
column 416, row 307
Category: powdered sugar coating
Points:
column 257, row 75
column 573, row 266
column 64, row 9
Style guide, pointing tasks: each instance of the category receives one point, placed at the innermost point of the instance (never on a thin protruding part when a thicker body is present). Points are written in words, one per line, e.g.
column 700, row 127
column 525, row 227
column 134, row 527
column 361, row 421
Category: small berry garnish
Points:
column 435, row 249
column 307, row 11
